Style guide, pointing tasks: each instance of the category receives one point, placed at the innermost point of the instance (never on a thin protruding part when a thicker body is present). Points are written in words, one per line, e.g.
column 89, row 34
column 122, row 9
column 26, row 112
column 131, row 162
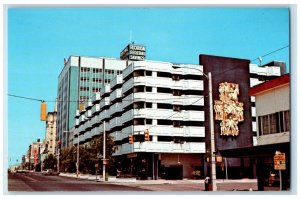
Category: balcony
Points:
column 128, row 130
column 264, row 70
column 116, row 94
column 88, row 114
column 115, row 108
column 254, row 126
column 115, row 122
column 127, row 85
column 168, row 130
column 118, row 135
column 165, row 113
column 88, row 104
column 127, row 71
column 82, row 119
column 253, row 111
column 161, row 147
column 95, row 109
column 116, row 81
column 127, row 101
column 105, row 90
column 104, row 102
column 96, row 97
column 127, row 116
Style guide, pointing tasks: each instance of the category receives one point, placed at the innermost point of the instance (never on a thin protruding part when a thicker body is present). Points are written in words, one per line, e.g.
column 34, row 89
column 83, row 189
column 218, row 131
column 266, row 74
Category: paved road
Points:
column 37, row 182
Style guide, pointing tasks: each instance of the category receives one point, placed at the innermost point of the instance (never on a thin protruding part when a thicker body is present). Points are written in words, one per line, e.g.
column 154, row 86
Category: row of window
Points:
column 177, row 108
column 175, row 92
column 99, row 70
column 83, row 88
column 176, row 77
column 274, row 123
column 178, row 140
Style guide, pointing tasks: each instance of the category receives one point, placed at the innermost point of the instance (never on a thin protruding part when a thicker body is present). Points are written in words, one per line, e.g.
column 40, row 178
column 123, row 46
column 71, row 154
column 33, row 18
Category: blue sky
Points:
column 40, row 38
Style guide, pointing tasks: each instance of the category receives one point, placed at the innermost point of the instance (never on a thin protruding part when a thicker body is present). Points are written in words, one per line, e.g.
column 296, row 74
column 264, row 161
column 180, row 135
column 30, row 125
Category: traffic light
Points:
column 130, row 139
column 147, row 136
column 43, row 111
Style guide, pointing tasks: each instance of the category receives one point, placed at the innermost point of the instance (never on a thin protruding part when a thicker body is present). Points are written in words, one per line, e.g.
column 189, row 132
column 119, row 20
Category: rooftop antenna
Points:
column 260, row 60
column 130, row 36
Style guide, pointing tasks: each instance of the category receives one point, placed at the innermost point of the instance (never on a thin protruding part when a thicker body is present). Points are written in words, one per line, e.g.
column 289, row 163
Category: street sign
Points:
column 279, row 161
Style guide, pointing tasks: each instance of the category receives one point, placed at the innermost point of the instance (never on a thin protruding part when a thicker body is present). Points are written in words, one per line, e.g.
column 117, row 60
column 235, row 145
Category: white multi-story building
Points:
column 163, row 98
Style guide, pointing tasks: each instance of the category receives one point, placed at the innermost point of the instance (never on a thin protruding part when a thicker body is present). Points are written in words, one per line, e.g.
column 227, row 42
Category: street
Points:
column 38, row 182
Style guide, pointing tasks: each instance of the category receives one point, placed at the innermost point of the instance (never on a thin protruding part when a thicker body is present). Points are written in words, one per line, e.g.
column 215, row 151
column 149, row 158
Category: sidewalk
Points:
column 114, row 179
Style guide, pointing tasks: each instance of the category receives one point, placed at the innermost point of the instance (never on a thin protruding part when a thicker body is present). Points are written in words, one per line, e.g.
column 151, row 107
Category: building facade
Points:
column 50, row 137
column 79, row 80
column 273, row 135
column 163, row 99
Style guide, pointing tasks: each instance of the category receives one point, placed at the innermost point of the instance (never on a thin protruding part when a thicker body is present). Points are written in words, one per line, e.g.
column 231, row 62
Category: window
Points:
column 97, row 70
column 274, row 123
column 83, row 88
column 148, row 89
column 148, row 121
column 148, row 73
column 97, row 80
column 148, row 105
column 175, row 77
column 176, row 93
column 82, row 69
column 286, row 120
column 96, row 89
column 176, row 108
column 176, row 124
column 84, row 79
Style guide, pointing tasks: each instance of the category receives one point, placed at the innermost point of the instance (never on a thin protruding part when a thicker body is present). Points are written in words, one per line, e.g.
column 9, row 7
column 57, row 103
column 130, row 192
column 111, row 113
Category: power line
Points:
column 185, row 97
column 272, row 52
column 234, row 68
column 28, row 98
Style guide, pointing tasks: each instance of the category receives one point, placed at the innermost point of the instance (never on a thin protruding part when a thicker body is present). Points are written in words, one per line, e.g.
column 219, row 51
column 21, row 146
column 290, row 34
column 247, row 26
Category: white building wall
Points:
column 278, row 97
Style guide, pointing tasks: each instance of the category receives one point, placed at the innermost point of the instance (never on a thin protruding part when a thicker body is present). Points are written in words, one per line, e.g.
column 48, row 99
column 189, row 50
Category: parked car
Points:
column 48, row 172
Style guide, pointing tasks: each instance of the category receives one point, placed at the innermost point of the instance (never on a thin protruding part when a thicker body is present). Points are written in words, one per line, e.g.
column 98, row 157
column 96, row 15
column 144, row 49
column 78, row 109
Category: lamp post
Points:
column 104, row 153
column 77, row 161
column 58, row 151
column 212, row 133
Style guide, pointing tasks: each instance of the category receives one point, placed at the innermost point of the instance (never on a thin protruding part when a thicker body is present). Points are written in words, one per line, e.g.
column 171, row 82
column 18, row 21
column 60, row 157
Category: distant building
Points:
column 35, row 154
column 78, row 81
column 273, row 124
column 50, row 136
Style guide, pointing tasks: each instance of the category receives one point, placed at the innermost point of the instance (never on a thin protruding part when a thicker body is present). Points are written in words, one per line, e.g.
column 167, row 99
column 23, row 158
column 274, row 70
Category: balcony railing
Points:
column 161, row 147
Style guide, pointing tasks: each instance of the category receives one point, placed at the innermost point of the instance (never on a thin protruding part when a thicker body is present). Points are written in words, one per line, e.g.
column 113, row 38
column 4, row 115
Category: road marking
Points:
column 29, row 178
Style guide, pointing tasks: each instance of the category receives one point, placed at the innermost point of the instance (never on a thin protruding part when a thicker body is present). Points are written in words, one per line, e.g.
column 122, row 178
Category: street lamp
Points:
column 77, row 162
column 212, row 134
column 104, row 153
column 58, row 151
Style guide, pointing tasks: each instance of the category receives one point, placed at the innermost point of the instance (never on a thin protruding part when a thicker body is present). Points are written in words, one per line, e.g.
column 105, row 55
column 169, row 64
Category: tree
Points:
column 50, row 162
column 89, row 155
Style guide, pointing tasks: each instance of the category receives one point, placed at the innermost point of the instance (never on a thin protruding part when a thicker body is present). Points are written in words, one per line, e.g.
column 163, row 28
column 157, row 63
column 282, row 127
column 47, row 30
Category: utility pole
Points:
column 212, row 135
column 104, row 155
column 77, row 162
